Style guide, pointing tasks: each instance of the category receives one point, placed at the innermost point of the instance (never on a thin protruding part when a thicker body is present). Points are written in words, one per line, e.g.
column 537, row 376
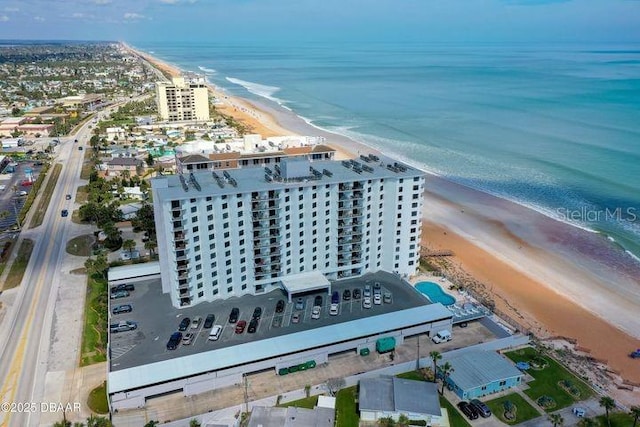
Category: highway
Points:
column 25, row 332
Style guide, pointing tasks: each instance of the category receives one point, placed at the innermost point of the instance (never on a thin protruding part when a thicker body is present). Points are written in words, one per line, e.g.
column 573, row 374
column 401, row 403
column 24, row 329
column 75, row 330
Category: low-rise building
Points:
column 391, row 397
column 115, row 134
column 116, row 167
column 321, row 416
column 478, row 373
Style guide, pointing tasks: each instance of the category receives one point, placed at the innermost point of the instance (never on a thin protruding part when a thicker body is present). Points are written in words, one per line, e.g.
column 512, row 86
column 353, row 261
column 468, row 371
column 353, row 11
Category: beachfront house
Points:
column 478, row 373
column 385, row 397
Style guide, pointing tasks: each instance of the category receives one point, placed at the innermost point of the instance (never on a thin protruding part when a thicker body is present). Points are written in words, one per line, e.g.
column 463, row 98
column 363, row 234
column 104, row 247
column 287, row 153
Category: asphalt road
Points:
column 25, row 333
column 27, row 327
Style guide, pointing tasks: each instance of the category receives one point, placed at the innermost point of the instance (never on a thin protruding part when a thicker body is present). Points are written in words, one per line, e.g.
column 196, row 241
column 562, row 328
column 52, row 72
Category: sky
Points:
column 323, row 20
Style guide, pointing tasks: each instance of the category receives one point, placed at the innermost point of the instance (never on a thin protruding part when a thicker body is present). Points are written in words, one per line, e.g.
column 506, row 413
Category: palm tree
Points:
column 446, row 369
column 435, row 356
column 607, row 403
column 635, row 413
column 587, row 422
column 129, row 245
column 556, row 420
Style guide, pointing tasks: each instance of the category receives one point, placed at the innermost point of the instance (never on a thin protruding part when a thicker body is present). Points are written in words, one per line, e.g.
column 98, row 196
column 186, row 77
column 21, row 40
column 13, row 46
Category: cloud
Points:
column 4, row 18
column 132, row 16
column 38, row 18
column 102, row 2
column 12, row 9
column 78, row 15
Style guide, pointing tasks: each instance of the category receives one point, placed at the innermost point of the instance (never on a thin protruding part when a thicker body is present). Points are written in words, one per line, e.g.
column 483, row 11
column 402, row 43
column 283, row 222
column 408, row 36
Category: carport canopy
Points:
column 304, row 282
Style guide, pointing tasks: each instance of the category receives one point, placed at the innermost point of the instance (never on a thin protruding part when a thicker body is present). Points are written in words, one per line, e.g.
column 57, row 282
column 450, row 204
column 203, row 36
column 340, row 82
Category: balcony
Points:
column 183, row 276
column 267, row 243
column 264, row 206
column 179, row 237
column 176, row 209
column 183, row 285
column 179, row 246
column 178, row 227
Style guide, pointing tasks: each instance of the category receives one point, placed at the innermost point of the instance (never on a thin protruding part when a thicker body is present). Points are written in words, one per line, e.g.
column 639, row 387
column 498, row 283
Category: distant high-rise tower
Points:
column 181, row 100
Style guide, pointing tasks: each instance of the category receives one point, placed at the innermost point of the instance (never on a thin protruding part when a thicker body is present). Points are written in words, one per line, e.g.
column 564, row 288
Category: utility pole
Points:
column 418, row 359
column 246, row 393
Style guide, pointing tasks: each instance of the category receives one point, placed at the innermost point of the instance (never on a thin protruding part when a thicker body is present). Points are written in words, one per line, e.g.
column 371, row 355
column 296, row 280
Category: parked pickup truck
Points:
column 124, row 326
column 442, row 336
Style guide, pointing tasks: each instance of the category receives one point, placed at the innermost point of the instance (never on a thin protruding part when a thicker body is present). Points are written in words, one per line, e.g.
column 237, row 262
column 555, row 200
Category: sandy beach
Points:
column 550, row 276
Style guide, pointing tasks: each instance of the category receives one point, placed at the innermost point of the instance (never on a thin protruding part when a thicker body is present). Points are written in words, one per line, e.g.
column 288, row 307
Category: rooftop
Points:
column 140, row 357
column 291, row 417
column 391, row 394
column 477, row 368
column 322, row 172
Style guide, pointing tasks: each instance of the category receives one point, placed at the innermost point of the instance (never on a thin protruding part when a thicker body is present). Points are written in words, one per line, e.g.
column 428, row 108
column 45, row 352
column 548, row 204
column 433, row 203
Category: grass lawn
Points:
column 45, row 199
column 97, row 400
column 81, row 245
column 524, row 410
column 547, row 379
column 346, row 408
column 81, row 195
column 618, row 419
column 412, row 375
column 307, row 402
column 19, row 265
column 94, row 333
column 456, row 419
column 87, row 168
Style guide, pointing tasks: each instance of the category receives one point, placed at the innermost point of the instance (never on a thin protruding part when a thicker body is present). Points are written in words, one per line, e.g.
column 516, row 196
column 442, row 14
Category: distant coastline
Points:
column 559, row 261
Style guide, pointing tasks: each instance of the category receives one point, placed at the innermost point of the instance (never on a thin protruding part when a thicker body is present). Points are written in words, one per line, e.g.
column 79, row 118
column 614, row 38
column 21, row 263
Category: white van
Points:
column 215, row 333
column 442, row 336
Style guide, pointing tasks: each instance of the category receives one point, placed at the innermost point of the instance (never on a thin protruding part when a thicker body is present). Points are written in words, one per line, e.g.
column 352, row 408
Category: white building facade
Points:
column 224, row 234
column 182, row 101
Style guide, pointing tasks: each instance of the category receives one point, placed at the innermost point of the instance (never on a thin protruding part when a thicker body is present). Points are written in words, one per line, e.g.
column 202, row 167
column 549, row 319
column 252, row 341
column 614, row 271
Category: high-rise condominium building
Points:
column 181, row 100
column 234, row 232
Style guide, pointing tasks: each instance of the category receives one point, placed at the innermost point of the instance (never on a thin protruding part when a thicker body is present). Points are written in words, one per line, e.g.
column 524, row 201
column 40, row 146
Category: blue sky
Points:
column 311, row 20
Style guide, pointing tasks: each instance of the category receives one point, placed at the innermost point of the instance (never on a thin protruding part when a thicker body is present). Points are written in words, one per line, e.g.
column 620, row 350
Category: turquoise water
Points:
column 434, row 292
column 159, row 153
column 556, row 128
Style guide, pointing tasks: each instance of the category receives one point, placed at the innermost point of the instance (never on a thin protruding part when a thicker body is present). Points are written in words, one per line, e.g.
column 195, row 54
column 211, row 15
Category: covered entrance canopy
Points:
column 304, row 282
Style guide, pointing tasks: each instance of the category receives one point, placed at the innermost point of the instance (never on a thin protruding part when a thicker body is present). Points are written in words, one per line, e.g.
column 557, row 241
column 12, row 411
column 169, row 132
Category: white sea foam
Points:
column 206, row 70
column 632, row 255
column 264, row 91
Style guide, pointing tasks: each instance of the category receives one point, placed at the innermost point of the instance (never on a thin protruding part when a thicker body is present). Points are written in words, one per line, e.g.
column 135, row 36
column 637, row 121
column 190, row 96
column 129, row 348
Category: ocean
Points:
column 555, row 128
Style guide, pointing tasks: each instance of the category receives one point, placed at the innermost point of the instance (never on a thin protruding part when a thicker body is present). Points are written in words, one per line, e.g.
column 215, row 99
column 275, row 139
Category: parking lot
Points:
column 157, row 319
column 12, row 201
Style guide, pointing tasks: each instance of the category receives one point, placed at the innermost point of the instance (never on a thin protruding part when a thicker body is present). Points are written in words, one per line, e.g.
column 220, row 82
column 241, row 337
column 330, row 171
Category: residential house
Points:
column 118, row 165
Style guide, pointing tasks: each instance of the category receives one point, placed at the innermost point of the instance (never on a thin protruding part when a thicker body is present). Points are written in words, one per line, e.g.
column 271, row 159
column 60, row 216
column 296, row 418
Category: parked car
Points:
column 240, row 325
column 233, row 317
column 357, row 294
column 333, row 310
column 442, row 336
column 367, row 291
column 317, row 301
column 481, row 408
column 215, row 332
column 315, row 312
column 253, row 326
column 64, row 213
column 280, row 306
column 125, row 326
column 195, row 324
column 295, row 318
column 377, row 299
column 377, row 290
column 346, row 295
column 366, row 302
column 208, row 322
column 124, row 308
column 299, row 303
column 387, row 298
column 174, row 340
column 68, row 197
column 579, row 412
column 335, row 297
column 119, row 294
column 468, row 410
column 188, row 338
column 257, row 313
column 129, row 287
column 184, row 324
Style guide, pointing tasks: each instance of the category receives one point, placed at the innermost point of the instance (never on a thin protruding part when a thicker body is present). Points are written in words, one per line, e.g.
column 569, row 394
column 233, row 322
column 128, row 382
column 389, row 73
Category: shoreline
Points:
column 492, row 225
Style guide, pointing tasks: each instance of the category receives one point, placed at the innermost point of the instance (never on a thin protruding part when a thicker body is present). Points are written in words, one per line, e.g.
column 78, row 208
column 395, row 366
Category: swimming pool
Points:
column 434, row 292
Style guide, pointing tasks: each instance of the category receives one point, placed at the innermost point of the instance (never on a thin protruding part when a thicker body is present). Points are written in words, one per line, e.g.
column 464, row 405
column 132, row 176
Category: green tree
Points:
column 403, row 420
column 635, row 413
column 446, row 370
column 194, row 423
column 129, row 245
column 152, row 423
column 435, row 356
column 386, row 422
column 150, row 160
column 608, row 404
column 587, row 422
column 556, row 420
column 150, row 245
